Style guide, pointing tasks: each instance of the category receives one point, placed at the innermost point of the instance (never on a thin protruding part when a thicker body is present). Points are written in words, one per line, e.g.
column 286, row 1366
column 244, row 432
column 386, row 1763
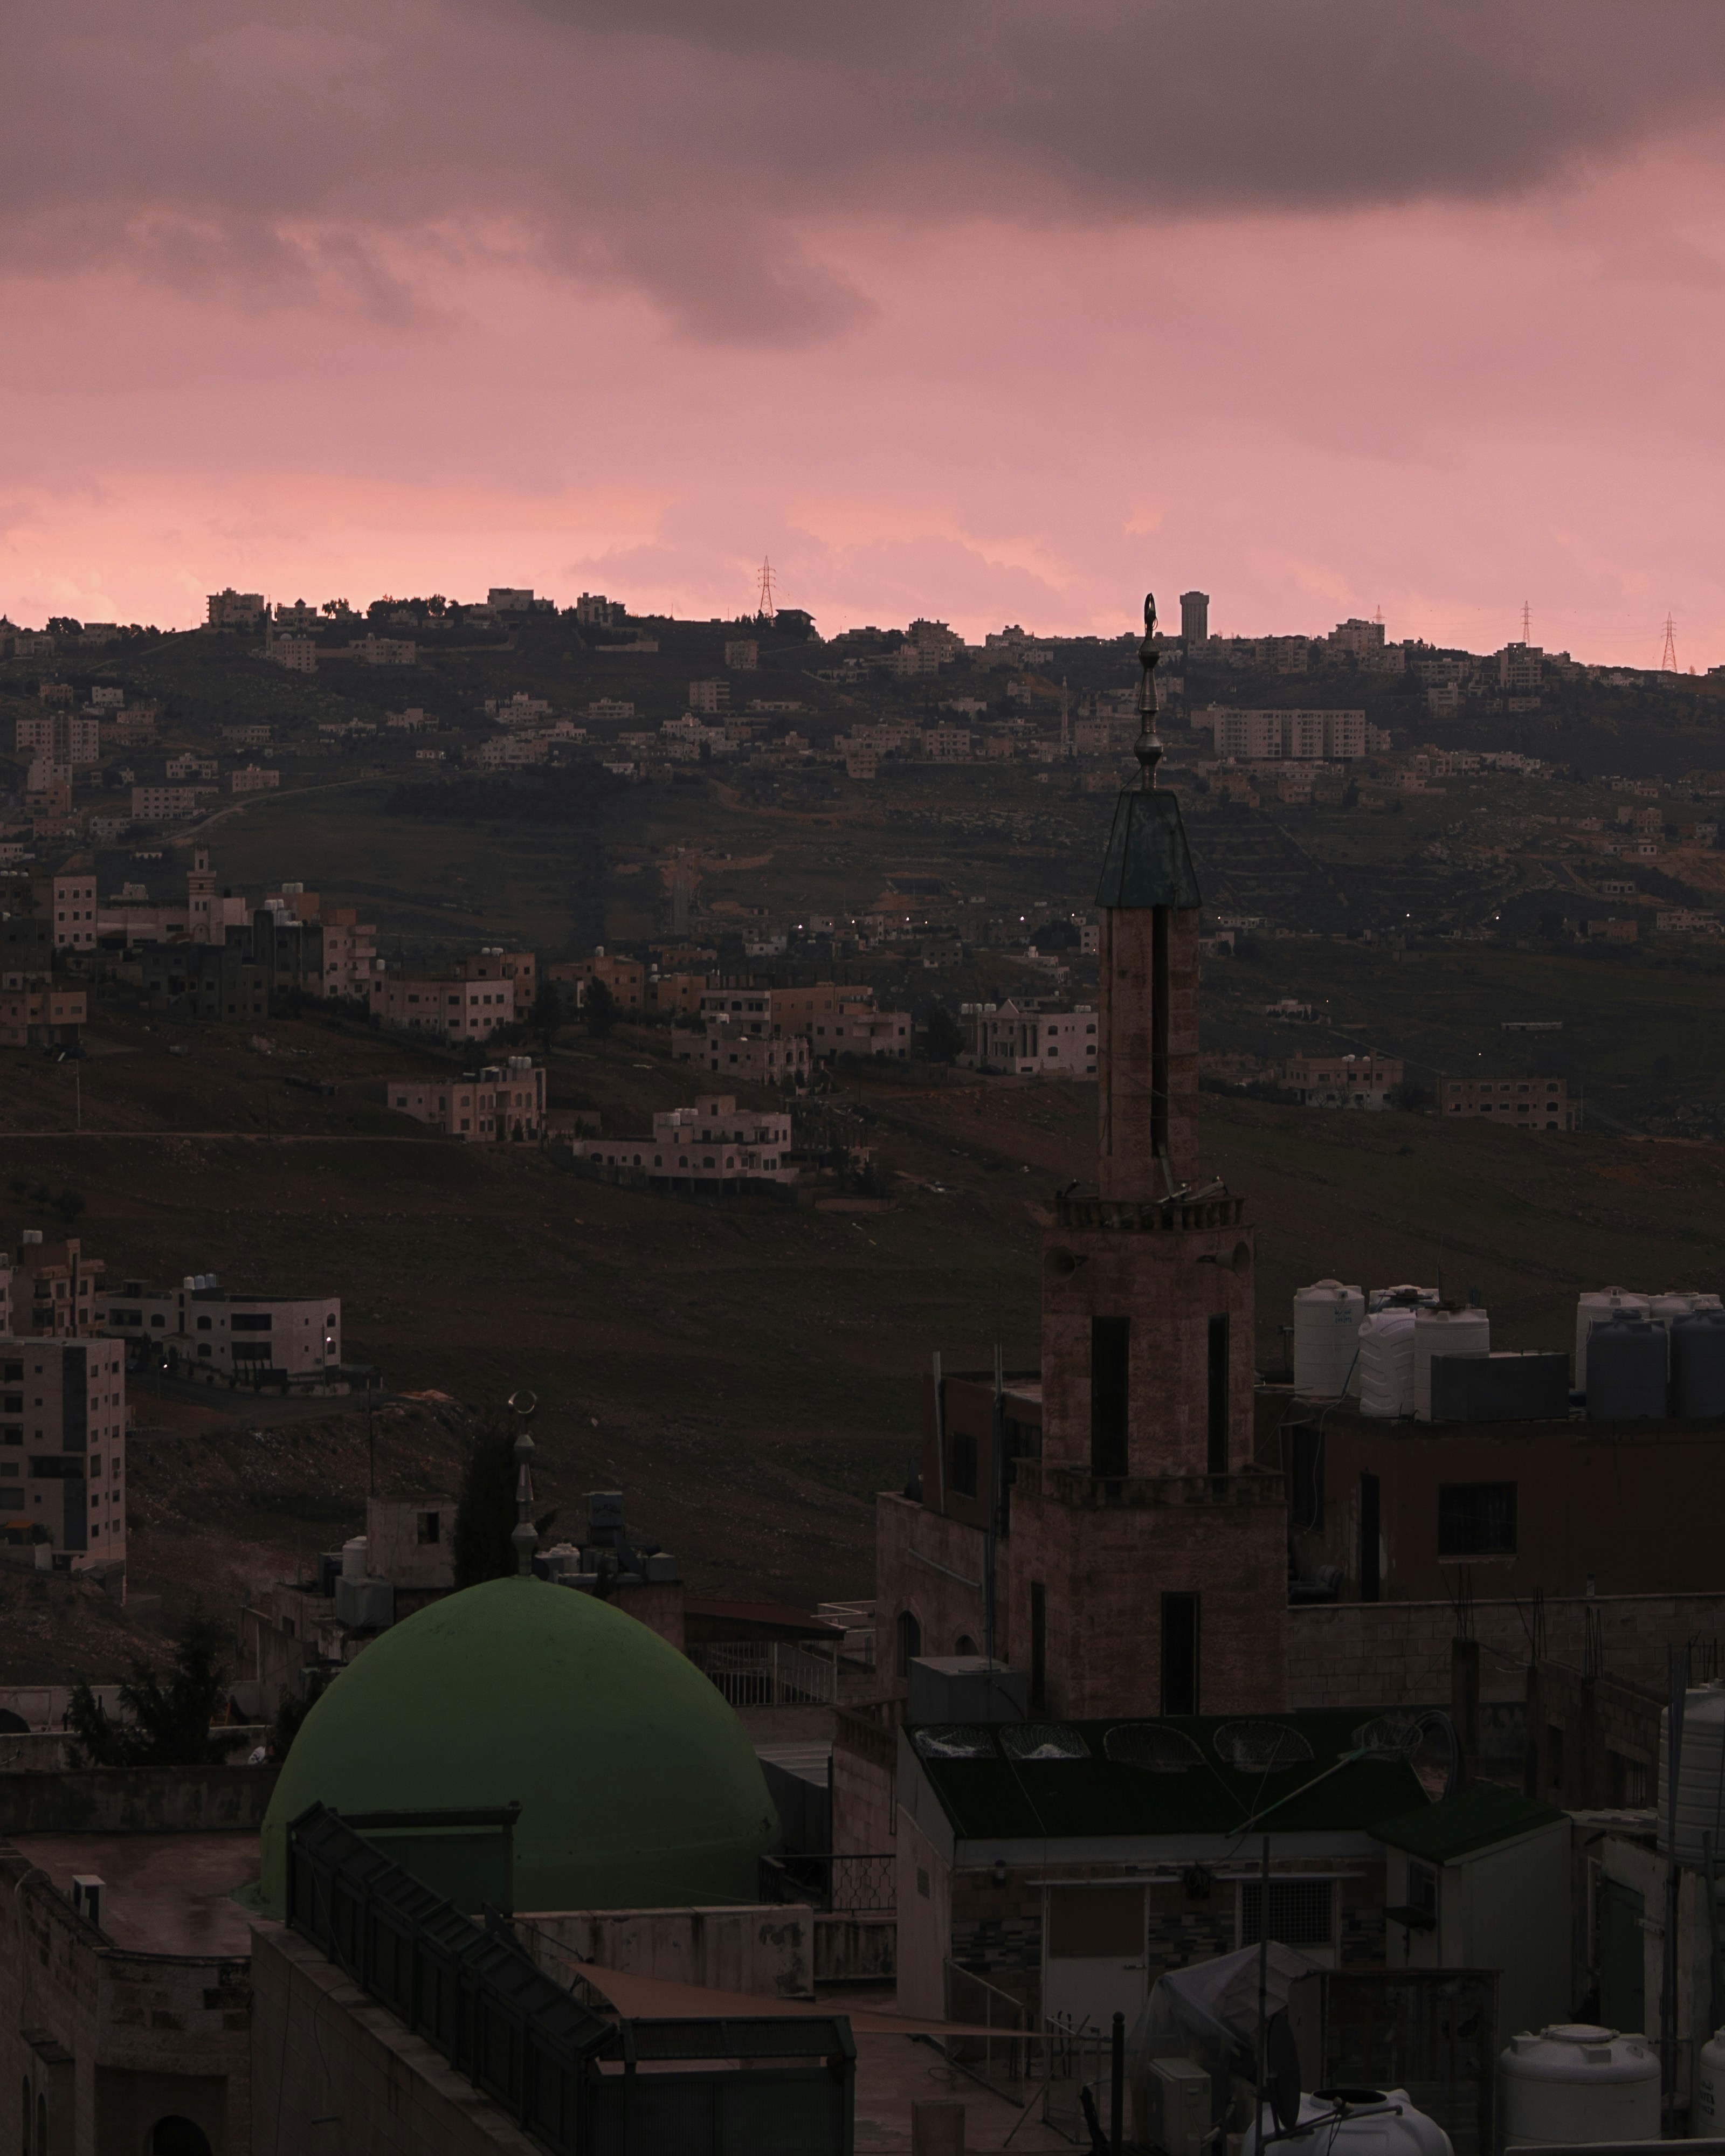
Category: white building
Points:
column 62, row 1421
column 510, row 598
column 505, row 1104
column 1026, row 1038
column 713, row 1143
column 297, row 653
column 294, row 1340
column 745, row 1055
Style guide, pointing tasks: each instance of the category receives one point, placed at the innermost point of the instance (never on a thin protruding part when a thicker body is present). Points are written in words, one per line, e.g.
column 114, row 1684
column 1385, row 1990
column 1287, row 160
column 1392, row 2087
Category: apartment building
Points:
column 458, row 1009
column 200, row 1326
column 742, row 656
column 349, row 956
column 1058, row 1041
column 862, row 1033
column 714, row 1144
column 1273, row 737
column 63, row 1448
column 253, row 780
column 166, row 805
column 1530, row 1103
column 1344, row 1081
column 755, row 1059
column 495, row 964
column 298, row 654
column 60, row 736
column 237, row 610
column 207, row 980
column 68, row 902
column 56, row 1291
column 945, row 743
column 711, row 697
column 626, row 978
column 37, row 1011
column 501, row 1104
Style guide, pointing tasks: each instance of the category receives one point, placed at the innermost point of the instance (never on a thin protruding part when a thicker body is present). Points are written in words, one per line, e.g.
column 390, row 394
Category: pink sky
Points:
column 997, row 312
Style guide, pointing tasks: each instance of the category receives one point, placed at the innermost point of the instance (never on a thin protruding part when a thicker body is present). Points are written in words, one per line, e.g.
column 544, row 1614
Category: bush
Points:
column 171, row 1718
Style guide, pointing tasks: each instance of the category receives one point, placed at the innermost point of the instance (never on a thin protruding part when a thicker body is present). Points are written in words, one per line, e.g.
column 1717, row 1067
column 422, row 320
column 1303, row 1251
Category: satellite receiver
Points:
column 1281, row 2072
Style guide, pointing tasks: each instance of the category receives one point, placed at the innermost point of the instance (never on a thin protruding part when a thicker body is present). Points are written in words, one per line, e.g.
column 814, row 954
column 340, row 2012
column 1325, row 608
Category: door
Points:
column 1622, row 1956
column 1093, row 1964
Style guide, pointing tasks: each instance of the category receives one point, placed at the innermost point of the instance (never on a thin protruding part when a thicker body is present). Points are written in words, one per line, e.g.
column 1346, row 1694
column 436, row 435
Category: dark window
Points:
column 58, row 1467
column 1179, row 1654
column 1305, row 1471
column 1370, row 1531
column 1219, row 1395
column 1109, row 1363
column 961, row 1467
column 1422, row 1889
column 1023, row 1440
column 1625, row 1781
column 910, row 1641
column 1039, row 1643
column 1554, row 1755
column 431, row 1526
column 251, row 1321
column 203, row 1325
column 1477, row 1519
column 1158, row 1029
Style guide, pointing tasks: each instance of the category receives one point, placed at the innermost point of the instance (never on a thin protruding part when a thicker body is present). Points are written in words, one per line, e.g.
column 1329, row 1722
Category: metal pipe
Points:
column 1263, row 1984
column 1116, row 2086
column 1678, row 1672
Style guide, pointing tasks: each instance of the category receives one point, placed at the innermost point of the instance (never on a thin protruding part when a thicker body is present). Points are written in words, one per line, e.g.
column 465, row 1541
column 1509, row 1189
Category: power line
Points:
column 1668, row 657
column 766, row 610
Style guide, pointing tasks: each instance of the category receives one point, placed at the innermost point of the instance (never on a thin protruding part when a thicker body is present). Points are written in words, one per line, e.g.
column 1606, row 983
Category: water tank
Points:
column 1575, row 2082
column 1627, row 1372
column 1383, row 2123
column 354, row 1552
column 1326, row 1321
column 1444, row 1332
column 1698, row 1364
column 1599, row 1308
column 1708, row 2109
column 1386, row 1363
column 1700, row 1775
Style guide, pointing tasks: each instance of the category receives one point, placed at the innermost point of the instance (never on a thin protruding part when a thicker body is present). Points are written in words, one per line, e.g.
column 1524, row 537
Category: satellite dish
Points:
column 1281, row 2072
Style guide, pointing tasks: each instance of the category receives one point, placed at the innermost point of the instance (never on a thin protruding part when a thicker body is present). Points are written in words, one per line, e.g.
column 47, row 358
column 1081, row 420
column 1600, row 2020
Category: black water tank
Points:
column 1499, row 1387
column 1626, row 1373
column 1698, row 1364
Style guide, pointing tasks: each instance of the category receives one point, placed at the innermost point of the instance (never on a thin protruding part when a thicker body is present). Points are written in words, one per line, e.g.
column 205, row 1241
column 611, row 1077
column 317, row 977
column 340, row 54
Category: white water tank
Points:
column 1444, row 1332
column 1575, row 2082
column 1700, row 1775
column 1599, row 1306
column 1326, row 1321
column 1374, row 2122
column 354, row 1552
column 1708, row 2109
column 1386, row 1363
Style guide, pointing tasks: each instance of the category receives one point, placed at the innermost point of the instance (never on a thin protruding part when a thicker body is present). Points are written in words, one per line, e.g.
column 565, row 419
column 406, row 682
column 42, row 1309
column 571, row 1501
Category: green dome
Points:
column 637, row 1785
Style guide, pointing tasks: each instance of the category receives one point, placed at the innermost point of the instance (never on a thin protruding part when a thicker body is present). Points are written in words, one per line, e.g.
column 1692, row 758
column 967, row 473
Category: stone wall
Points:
column 135, row 1799
column 1397, row 1654
column 321, row 2049
column 767, row 1952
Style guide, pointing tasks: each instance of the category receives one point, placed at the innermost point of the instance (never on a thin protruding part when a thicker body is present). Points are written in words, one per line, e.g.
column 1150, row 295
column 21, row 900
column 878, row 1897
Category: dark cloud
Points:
column 320, row 153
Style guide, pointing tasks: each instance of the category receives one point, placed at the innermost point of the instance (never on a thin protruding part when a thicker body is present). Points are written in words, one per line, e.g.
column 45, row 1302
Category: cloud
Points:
column 322, row 156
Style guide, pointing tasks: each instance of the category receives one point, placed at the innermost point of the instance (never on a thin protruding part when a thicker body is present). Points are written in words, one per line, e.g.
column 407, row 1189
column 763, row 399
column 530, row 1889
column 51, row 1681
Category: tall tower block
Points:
column 1149, row 1571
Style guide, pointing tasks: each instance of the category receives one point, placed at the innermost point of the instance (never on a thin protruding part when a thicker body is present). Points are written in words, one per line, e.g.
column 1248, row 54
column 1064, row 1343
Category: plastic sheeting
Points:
column 1212, row 2008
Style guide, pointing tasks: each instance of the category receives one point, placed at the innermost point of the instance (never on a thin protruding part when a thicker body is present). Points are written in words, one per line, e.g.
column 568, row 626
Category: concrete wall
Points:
column 945, row 1607
column 768, row 1951
column 925, row 1921
column 322, row 2050
column 135, row 1799
column 864, row 1781
column 1397, row 1654
column 48, row 1752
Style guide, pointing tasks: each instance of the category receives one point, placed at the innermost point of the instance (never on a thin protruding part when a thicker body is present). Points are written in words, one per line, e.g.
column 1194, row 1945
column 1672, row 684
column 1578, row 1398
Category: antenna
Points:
column 766, row 610
column 1527, row 623
column 1668, row 657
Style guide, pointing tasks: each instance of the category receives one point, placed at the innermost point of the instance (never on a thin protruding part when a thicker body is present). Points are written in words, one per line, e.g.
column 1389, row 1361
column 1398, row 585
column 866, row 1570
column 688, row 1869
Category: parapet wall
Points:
column 1397, row 1654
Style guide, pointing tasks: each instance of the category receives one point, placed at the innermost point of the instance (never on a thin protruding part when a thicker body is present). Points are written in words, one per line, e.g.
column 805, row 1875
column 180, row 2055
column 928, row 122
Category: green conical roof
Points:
column 637, row 1785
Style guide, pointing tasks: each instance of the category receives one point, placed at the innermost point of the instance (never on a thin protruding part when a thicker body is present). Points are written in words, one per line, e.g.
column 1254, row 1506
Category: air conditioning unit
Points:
column 1177, row 2108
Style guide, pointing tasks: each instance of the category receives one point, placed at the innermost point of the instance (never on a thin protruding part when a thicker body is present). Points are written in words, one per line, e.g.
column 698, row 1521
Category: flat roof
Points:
column 161, row 1893
column 1473, row 1818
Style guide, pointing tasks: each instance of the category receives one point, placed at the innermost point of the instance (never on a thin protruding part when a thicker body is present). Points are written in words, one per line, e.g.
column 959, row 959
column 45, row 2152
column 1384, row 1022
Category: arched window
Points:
column 176, row 2137
column 910, row 1641
column 964, row 1644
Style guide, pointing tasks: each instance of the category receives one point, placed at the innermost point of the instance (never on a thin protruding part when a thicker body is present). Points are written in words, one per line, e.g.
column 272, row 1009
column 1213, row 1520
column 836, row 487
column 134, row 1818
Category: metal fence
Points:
column 769, row 1672
column 837, row 1886
column 580, row 2083
column 1432, row 2032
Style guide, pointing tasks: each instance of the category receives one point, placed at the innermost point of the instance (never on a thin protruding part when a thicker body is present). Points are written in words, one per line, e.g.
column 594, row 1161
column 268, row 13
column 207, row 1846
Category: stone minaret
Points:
column 1149, row 1553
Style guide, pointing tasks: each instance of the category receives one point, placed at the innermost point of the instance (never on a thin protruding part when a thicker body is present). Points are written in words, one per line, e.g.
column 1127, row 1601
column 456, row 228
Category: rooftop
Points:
column 163, row 1893
column 1474, row 1818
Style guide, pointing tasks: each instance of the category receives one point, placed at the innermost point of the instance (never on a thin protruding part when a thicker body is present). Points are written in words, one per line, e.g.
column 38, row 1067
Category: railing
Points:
column 1009, row 2063
column 1078, row 2056
column 841, row 1885
column 769, row 1672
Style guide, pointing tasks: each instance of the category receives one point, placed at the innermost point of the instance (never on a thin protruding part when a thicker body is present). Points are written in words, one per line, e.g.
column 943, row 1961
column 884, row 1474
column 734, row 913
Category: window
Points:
column 1301, row 1911
column 249, row 1320
column 910, row 1641
column 1625, row 1781
column 1477, row 1519
column 1110, row 1363
column 960, row 1464
column 429, row 1526
column 1179, row 1654
column 203, row 1324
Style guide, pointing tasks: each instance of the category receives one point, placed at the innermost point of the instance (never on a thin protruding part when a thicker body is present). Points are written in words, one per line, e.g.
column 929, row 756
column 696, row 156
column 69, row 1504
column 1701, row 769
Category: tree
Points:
column 599, row 1007
column 945, row 1036
column 291, row 1710
column 1408, row 1096
column 1551, row 926
column 546, row 1014
column 62, row 624
column 170, row 1718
